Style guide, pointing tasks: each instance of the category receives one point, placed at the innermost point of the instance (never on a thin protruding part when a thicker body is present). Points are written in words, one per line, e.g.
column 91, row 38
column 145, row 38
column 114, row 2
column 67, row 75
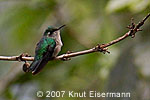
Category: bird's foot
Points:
column 26, row 66
column 101, row 49
column 20, row 57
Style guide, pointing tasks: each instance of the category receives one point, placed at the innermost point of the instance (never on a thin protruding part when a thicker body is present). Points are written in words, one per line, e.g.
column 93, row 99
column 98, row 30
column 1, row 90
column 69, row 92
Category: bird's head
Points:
column 50, row 31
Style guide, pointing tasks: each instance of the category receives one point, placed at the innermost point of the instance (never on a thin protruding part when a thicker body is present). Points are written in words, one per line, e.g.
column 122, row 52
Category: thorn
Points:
column 65, row 59
column 139, row 30
column 108, row 52
column 129, row 27
column 68, row 52
column 132, row 21
column 100, row 49
column 27, row 55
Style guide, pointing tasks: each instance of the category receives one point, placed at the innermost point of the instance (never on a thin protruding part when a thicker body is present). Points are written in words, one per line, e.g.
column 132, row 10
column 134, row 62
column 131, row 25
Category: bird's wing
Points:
column 44, row 52
column 45, row 45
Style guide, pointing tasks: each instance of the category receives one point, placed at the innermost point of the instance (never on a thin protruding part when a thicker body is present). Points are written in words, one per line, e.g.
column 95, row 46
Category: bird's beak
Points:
column 61, row 27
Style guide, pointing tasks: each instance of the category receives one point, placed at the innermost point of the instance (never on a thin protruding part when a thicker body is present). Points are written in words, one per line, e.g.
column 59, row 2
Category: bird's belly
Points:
column 57, row 50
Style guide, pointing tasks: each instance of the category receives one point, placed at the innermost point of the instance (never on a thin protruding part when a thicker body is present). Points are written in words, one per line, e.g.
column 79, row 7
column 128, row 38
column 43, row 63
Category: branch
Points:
column 133, row 29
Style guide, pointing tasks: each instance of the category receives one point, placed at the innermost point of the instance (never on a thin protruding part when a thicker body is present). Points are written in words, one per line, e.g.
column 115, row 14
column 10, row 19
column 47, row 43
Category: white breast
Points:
column 59, row 44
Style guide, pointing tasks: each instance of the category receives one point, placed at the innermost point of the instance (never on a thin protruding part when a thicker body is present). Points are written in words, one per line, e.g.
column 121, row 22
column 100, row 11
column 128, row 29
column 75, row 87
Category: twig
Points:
column 99, row 48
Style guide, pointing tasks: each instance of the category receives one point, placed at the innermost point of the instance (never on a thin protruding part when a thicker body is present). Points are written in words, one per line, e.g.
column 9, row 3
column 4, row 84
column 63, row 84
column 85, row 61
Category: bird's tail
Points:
column 37, row 66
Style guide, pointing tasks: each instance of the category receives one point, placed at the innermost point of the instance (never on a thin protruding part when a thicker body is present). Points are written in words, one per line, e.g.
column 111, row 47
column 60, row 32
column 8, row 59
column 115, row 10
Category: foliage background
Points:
column 89, row 22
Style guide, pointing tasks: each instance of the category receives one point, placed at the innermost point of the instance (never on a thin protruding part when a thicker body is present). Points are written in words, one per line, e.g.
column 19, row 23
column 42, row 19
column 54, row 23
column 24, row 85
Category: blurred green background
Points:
column 89, row 22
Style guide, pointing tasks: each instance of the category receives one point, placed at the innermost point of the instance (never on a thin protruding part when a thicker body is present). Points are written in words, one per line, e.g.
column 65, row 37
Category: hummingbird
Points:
column 46, row 49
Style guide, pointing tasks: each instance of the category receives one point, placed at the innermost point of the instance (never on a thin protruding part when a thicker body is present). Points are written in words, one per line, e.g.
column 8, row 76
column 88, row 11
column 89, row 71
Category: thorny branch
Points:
column 99, row 48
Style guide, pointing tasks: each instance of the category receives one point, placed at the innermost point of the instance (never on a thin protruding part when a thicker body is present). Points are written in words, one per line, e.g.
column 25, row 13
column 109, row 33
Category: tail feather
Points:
column 34, row 64
column 37, row 66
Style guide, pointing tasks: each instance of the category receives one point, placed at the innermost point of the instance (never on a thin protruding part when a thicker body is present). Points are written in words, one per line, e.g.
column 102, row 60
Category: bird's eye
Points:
column 49, row 33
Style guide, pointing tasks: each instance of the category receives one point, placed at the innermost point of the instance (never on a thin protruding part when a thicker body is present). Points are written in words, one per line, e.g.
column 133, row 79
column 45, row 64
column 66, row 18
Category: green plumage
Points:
column 42, row 47
column 43, row 53
column 46, row 49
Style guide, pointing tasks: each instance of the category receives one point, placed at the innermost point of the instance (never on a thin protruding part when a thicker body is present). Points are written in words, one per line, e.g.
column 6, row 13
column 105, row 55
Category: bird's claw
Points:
column 25, row 67
column 19, row 58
